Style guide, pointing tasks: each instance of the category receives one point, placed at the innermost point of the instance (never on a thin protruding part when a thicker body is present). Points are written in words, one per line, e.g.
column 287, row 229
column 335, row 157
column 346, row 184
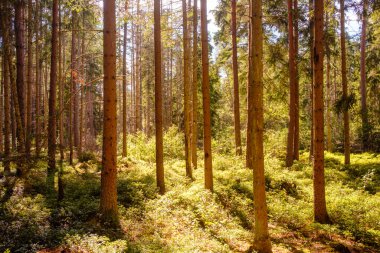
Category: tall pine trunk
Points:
column 363, row 79
column 124, row 152
column 346, row 129
column 186, row 87
column 236, row 80
column 292, row 84
column 158, row 97
column 206, row 100
column 261, row 240
column 108, row 197
column 194, row 115
column 320, row 211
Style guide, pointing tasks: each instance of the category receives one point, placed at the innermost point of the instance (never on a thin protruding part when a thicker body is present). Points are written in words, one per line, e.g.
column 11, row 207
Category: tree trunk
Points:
column 363, row 79
column 20, row 59
column 186, row 86
column 137, row 73
column 38, row 78
column 124, row 152
column 158, row 97
column 236, row 80
column 320, row 212
column 292, row 84
column 108, row 197
column 250, row 110
column 312, row 26
column 53, row 94
column 29, row 82
column 206, row 99
column 6, row 72
column 61, row 88
column 194, row 115
column 296, row 145
column 328, row 89
column 261, row 240
column 344, row 84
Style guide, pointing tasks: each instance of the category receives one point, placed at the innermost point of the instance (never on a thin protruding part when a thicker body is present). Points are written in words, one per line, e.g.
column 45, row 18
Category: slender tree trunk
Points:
column 250, row 110
column 29, row 82
column 108, row 197
column 236, row 80
column 72, row 88
column 363, row 79
column 158, row 97
column 53, row 94
column 261, row 240
column 6, row 72
column 61, row 88
column 296, row 84
column 38, row 78
column 124, row 152
column 312, row 28
column 328, row 88
column 292, row 84
column 206, row 99
column 320, row 211
column 186, row 86
column 344, row 84
column 194, row 115
column 20, row 59
column 137, row 74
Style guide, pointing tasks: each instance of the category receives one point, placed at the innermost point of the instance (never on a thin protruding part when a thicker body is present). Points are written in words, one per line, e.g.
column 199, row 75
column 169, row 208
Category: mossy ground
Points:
column 188, row 218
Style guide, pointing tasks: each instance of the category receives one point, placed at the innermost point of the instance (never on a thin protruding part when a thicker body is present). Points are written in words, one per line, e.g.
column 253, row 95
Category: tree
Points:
column 292, row 90
column 296, row 84
column 236, row 80
column 320, row 211
column 6, row 44
column 53, row 92
column 28, row 136
column 206, row 99
column 194, row 87
column 124, row 152
column 187, row 90
column 312, row 28
column 261, row 241
column 344, row 85
column 158, row 97
column 108, row 197
column 363, row 78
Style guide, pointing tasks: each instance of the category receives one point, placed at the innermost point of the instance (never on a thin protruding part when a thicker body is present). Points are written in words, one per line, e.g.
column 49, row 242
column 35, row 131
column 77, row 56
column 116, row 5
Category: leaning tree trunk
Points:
column 206, row 99
column 320, row 211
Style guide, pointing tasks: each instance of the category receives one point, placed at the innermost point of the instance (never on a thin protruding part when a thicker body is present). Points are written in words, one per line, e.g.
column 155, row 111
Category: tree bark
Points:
column 37, row 83
column 261, row 239
column 292, row 84
column 158, row 97
column 186, row 86
column 108, row 197
column 312, row 28
column 53, row 93
column 236, row 80
column 320, row 212
column 296, row 145
column 363, row 79
column 28, row 136
column 206, row 99
column 194, row 115
column 344, row 84
column 124, row 152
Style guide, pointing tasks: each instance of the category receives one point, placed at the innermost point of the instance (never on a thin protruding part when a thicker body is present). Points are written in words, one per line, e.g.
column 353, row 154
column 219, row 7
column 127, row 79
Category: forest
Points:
column 189, row 126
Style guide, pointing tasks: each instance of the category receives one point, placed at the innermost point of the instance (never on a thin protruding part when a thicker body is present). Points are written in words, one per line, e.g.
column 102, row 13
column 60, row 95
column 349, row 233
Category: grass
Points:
column 188, row 218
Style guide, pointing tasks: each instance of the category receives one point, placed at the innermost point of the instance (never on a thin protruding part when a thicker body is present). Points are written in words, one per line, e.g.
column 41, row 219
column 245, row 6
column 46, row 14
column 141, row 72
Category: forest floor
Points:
column 188, row 218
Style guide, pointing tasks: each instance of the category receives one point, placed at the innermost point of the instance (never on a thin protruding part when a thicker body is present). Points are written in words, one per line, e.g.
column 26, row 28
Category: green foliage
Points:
column 86, row 157
column 93, row 243
column 344, row 104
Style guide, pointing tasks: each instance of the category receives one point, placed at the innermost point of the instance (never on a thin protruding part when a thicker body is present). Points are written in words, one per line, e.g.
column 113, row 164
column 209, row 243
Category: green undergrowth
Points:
column 188, row 218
